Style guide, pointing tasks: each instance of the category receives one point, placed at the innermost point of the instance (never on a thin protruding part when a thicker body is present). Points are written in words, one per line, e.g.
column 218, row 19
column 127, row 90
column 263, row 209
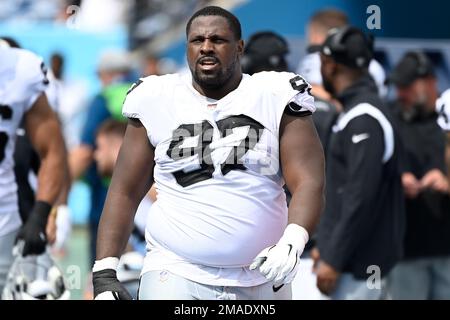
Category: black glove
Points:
column 106, row 281
column 32, row 232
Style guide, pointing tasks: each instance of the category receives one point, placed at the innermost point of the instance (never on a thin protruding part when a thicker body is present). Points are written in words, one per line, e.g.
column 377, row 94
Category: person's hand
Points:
column 315, row 256
column 411, row 185
column 50, row 229
column 327, row 277
column 279, row 263
column 33, row 233
column 436, row 180
column 105, row 282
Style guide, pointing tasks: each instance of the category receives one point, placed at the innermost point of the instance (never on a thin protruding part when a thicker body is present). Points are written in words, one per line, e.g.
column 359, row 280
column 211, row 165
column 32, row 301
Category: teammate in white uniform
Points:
column 219, row 145
column 22, row 86
column 26, row 166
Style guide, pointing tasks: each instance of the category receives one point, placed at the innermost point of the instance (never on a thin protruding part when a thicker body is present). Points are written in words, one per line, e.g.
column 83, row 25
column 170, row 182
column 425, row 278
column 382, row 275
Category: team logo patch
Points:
column 163, row 276
column 300, row 84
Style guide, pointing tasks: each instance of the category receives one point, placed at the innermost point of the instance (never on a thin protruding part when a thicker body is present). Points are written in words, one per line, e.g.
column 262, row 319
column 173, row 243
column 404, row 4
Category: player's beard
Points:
column 328, row 86
column 214, row 80
column 419, row 108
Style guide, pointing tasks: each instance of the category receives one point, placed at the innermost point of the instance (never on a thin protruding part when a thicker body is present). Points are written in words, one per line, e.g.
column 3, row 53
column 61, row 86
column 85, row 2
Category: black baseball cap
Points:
column 349, row 46
column 265, row 50
column 412, row 66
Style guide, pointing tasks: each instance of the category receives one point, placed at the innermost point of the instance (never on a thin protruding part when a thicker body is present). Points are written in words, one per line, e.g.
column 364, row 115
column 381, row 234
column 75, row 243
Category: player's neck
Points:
column 219, row 93
column 344, row 81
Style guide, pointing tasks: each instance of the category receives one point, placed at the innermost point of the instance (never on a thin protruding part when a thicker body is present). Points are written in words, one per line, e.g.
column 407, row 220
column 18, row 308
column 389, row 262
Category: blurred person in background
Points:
column 114, row 72
column 316, row 32
column 327, row 108
column 23, row 84
column 318, row 26
column 363, row 222
column 265, row 51
column 150, row 65
column 425, row 271
column 70, row 108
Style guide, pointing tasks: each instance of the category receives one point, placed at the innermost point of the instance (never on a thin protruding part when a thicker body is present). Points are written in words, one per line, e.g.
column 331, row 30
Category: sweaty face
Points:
column 106, row 152
column 212, row 51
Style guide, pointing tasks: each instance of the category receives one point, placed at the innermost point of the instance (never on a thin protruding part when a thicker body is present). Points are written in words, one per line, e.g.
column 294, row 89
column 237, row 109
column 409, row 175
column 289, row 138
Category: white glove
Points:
column 279, row 263
column 63, row 226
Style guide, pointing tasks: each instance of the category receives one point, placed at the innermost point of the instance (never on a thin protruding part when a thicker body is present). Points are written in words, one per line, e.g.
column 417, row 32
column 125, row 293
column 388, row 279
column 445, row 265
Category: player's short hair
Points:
column 112, row 127
column 232, row 20
column 328, row 19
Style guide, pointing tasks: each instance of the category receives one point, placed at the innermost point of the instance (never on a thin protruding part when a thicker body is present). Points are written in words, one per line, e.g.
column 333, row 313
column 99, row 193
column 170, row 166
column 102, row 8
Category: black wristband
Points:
column 41, row 210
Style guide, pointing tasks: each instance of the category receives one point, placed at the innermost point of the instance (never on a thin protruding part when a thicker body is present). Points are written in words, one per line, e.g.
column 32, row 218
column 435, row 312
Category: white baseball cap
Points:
column 114, row 60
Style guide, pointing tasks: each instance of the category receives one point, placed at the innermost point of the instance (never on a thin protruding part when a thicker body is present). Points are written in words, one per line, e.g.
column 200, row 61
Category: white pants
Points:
column 163, row 285
column 6, row 256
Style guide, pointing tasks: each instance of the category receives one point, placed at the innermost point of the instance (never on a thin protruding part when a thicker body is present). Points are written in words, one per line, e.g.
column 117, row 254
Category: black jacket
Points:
column 324, row 117
column 363, row 222
column 428, row 215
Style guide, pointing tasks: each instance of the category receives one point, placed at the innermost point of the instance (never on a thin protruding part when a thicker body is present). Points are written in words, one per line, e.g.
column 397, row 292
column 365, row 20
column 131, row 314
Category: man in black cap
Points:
column 361, row 231
column 425, row 271
column 265, row 51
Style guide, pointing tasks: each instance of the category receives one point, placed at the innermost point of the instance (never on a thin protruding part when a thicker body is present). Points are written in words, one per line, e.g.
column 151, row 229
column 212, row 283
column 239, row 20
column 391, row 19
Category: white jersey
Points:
column 217, row 173
column 443, row 110
column 22, row 80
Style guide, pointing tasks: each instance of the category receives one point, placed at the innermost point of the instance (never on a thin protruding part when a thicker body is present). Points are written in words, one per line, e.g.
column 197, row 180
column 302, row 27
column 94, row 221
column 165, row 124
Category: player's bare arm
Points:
column 45, row 134
column 43, row 128
column 302, row 163
column 303, row 166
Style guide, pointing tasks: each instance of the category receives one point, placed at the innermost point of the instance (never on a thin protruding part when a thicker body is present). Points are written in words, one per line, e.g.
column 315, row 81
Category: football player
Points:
column 219, row 145
column 22, row 85
column 26, row 166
